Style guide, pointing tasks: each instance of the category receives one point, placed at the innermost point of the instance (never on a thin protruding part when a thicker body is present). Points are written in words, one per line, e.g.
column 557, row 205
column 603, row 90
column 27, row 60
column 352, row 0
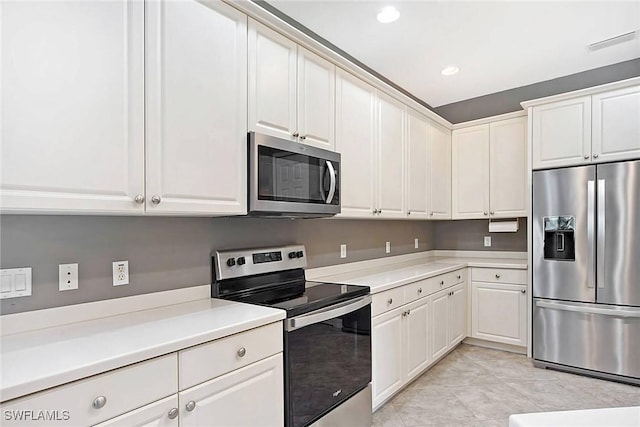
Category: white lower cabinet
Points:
column 499, row 306
column 163, row 413
column 408, row 338
column 249, row 396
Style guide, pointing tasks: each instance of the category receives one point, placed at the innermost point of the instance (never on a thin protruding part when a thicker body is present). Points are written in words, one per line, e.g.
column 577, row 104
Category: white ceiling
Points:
column 498, row 45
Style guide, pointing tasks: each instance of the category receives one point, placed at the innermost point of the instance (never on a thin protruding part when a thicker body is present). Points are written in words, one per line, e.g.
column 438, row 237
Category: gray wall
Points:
column 171, row 253
column 468, row 235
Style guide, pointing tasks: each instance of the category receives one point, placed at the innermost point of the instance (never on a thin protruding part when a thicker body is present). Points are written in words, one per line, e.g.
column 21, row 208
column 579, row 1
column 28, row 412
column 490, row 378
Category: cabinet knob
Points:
column 242, row 352
column 173, row 413
column 430, row 213
column 595, row 156
column 408, row 312
column 586, row 156
column 524, row 291
column 303, row 137
column 99, row 402
column 408, row 213
column 419, row 290
column 497, row 276
column 190, row 406
column 459, row 276
column 139, row 199
column 379, row 211
column 492, row 212
column 156, row 199
column 442, row 283
column 295, row 135
column 485, row 213
column 390, row 301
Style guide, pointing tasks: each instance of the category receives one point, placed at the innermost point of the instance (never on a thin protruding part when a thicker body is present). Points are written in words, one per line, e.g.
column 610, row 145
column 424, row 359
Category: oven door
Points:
column 327, row 359
column 288, row 178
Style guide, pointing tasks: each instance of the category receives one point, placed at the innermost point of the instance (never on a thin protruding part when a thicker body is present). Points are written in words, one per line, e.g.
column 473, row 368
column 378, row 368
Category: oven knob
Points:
column 240, row 260
column 299, row 254
column 231, row 262
column 292, row 255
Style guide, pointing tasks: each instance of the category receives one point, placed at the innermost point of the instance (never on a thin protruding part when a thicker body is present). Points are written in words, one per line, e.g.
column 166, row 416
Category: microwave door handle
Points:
column 332, row 186
column 322, row 192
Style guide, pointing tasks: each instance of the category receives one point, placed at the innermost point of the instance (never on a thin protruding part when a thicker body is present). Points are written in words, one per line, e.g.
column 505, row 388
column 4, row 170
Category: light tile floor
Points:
column 475, row 386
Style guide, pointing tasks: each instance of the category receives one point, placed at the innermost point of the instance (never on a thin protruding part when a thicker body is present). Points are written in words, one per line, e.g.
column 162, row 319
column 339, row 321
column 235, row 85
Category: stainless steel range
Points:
column 327, row 332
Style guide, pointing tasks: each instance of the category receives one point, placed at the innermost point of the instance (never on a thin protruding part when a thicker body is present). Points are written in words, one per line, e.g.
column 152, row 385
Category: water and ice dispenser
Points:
column 559, row 238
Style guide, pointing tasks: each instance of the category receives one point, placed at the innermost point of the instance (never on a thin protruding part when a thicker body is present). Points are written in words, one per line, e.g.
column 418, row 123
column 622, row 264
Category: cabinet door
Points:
column 316, row 100
column 157, row 414
column 561, row 133
column 355, row 141
column 439, row 323
column 417, row 343
column 196, row 108
column 439, row 172
column 417, row 165
column 499, row 312
column 391, row 158
column 249, row 396
column 272, row 82
column 386, row 357
column 616, row 125
column 72, row 101
column 470, row 165
column 457, row 314
column 508, row 168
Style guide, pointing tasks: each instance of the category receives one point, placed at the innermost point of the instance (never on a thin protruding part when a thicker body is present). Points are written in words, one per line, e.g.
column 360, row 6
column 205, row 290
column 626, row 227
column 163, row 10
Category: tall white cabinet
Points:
column 439, row 172
column 391, row 158
column 196, row 143
column 291, row 90
column 470, row 159
column 72, row 99
column 417, row 165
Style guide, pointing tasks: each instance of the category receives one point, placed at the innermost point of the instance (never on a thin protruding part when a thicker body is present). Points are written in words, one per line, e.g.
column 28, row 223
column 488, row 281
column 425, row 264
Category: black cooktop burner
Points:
column 317, row 295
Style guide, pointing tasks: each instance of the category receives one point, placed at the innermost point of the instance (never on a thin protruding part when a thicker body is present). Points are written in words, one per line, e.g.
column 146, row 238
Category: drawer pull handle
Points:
column 497, row 276
column 173, row 413
column 190, row 406
column 242, row 351
column 99, row 402
column 408, row 312
column 419, row 290
column 404, row 314
column 390, row 301
column 524, row 291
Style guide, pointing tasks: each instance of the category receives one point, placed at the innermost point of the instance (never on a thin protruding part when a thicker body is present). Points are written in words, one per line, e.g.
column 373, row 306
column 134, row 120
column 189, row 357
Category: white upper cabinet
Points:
column 508, row 168
column 470, row 163
column 391, row 158
column 316, row 100
column 291, row 90
column 272, row 82
column 490, row 170
column 616, row 125
column 72, row 97
column 355, row 141
column 417, row 165
column 439, row 172
column 562, row 133
column 196, row 108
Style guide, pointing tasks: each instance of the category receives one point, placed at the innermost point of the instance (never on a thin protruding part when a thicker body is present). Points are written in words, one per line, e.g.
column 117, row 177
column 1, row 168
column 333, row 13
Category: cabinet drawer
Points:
column 123, row 390
column 455, row 277
column 206, row 361
column 499, row 275
column 387, row 300
column 416, row 290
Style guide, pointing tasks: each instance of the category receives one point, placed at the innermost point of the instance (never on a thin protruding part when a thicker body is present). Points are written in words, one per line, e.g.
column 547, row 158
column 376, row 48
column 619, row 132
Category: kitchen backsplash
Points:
column 171, row 253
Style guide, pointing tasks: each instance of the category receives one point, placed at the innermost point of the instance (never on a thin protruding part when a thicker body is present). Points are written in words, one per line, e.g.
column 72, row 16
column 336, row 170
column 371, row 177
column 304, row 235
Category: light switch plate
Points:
column 15, row 282
column 487, row 241
column 387, row 247
column 343, row 251
column 415, row 243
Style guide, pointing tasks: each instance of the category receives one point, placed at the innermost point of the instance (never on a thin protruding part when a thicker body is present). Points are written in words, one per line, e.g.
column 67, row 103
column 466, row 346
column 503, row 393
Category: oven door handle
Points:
column 326, row 313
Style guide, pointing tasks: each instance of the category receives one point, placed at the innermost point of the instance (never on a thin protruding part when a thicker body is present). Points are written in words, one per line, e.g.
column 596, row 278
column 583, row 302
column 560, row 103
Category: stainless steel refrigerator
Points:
column 586, row 270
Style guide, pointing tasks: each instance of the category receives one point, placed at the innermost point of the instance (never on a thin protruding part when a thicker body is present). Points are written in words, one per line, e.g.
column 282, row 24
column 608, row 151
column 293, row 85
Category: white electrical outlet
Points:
column 387, row 247
column 487, row 241
column 67, row 277
column 415, row 243
column 343, row 251
column 120, row 273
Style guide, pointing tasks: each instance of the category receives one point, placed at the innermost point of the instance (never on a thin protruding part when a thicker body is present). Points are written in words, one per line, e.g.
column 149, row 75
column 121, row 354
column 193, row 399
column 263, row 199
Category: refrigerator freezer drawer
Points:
column 597, row 337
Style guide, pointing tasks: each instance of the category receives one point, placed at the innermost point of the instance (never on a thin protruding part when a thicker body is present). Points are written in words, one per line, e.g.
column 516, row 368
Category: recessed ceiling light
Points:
column 450, row 70
column 388, row 14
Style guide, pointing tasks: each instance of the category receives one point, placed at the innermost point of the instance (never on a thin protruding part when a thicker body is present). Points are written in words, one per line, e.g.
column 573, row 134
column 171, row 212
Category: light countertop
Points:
column 388, row 277
column 44, row 358
column 618, row 417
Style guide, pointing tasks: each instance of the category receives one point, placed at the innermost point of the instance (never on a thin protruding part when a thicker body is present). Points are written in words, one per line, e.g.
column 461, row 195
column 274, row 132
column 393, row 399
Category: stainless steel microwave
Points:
column 289, row 179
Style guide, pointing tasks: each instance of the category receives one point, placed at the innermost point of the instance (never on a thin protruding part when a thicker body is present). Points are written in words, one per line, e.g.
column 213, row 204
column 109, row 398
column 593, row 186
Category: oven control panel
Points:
column 248, row 262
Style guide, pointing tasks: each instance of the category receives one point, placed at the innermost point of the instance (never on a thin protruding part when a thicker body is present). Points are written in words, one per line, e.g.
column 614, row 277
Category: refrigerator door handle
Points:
column 601, row 232
column 617, row 312
column 591, row 195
